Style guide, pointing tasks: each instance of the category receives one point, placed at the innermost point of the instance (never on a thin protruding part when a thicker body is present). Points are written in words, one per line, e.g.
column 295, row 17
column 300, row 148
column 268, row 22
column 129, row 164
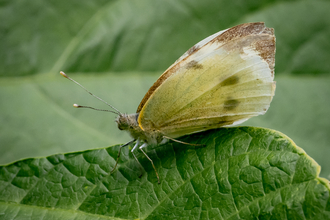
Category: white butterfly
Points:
column 221, row 81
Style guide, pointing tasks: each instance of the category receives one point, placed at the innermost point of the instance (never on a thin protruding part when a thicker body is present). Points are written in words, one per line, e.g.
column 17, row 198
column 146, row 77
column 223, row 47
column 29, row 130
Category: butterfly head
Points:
column 127, row 122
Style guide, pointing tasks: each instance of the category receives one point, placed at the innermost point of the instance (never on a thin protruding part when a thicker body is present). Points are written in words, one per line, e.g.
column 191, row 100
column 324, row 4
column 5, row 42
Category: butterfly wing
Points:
column 221, row 81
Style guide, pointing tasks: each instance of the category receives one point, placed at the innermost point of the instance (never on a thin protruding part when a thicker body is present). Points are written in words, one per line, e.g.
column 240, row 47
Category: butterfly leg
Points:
column 135, row 146
column 181, row 142
column 152, row 163
column 124, row 145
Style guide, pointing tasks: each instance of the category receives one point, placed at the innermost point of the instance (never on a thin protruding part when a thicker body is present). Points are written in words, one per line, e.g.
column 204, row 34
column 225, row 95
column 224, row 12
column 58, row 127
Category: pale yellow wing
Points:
column 222, row 81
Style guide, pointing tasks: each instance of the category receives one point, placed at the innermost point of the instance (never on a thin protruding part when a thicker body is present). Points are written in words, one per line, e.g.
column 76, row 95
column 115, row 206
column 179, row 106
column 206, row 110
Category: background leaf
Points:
column 118, row 48
column 242, row 173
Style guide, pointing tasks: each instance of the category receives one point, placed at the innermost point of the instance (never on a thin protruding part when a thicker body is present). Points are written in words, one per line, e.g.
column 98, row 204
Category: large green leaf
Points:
column 100, row 36
column 242, row 173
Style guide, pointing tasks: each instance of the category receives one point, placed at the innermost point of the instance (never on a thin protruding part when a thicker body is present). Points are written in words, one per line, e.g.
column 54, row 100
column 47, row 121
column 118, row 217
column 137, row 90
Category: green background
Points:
column 117, row 49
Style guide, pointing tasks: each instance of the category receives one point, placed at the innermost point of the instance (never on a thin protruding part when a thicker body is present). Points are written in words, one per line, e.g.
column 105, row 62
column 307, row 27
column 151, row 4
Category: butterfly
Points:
column 221, row 81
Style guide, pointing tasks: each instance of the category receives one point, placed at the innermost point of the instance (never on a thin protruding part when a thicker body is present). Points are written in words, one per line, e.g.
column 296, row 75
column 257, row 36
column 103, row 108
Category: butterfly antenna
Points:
column 97, row 109
column 80, row 106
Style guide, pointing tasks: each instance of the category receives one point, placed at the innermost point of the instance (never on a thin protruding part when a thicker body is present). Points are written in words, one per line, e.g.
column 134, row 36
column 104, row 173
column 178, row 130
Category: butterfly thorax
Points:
column 130, row 124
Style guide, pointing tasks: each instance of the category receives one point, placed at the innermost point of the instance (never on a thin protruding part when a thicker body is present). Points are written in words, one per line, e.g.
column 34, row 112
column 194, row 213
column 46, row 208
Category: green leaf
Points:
column 148, row 35
column 242, row 173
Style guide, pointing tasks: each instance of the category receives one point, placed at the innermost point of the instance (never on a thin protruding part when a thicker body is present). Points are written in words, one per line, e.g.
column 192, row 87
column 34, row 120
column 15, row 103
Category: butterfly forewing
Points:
column 224, row 80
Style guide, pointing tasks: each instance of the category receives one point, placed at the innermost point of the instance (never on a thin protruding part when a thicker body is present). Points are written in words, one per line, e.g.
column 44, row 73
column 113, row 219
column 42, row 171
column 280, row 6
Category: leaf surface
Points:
column 242, row 172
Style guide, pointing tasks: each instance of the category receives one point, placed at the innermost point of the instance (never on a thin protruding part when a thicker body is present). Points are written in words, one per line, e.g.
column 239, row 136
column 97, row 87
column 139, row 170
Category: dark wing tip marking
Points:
column 241, row 31
column 266, row 49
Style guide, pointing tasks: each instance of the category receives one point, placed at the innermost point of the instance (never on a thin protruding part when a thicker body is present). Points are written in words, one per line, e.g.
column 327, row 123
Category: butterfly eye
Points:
column 122, row 122
column 120, row 127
